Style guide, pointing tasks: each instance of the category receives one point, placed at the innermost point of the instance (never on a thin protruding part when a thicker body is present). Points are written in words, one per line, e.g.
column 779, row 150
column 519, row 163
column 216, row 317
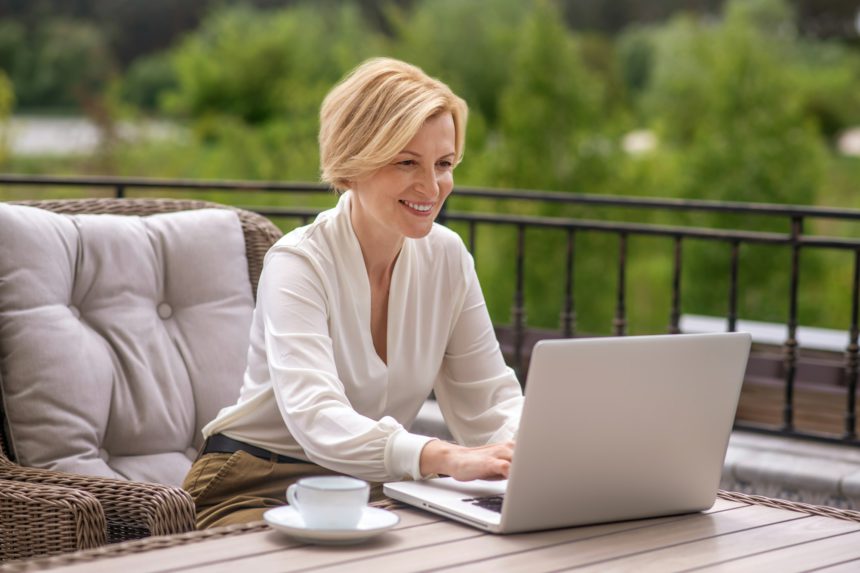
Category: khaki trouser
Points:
column 239, row 487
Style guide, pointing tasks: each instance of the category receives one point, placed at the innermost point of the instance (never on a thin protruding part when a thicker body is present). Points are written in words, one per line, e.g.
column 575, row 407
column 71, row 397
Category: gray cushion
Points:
column 120, row 336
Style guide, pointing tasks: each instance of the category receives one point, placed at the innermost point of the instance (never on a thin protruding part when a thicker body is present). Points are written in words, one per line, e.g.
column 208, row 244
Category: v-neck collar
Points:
column 357, row 268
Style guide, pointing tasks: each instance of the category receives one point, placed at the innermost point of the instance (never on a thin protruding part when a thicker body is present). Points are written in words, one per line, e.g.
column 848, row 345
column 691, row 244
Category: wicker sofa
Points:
column 45, row 510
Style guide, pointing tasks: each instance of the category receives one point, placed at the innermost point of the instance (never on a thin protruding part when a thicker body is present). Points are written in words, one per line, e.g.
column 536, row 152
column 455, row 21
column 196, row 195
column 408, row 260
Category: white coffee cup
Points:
column 329, row 502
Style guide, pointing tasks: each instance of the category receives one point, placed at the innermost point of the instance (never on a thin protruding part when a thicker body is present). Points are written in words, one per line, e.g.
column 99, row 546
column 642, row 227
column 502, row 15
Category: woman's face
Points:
column 403, row 198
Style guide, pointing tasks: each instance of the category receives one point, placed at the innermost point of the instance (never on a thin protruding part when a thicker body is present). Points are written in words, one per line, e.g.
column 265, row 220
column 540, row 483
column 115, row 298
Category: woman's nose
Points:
column 429, row 183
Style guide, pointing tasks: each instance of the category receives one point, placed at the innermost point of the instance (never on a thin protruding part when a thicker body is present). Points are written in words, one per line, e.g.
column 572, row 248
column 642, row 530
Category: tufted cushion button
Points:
column 74, row 310
column 164, row 310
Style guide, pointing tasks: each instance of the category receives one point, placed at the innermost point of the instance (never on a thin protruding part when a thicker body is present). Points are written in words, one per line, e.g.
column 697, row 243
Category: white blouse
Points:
column 314, row 387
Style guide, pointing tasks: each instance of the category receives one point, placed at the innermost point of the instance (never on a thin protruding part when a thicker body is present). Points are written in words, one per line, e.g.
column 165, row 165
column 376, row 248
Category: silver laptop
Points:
column 612, row 429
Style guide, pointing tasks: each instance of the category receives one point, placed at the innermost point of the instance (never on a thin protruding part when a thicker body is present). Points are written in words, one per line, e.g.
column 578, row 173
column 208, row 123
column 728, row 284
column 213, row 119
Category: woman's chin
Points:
column 418, row 231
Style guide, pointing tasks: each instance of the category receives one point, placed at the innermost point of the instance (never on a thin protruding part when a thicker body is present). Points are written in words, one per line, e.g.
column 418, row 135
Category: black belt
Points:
column 221, row 444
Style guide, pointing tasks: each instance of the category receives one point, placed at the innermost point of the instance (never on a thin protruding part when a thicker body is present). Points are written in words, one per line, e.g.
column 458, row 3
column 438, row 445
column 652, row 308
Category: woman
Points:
column 361, row 314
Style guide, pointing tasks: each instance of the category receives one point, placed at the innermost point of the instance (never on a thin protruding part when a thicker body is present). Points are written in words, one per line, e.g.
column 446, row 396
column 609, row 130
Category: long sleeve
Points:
column 479, row 395
column 312, row 399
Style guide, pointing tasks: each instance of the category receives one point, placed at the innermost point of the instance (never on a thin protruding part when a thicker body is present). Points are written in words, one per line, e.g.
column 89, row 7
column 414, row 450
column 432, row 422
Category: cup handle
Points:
column 291, row 496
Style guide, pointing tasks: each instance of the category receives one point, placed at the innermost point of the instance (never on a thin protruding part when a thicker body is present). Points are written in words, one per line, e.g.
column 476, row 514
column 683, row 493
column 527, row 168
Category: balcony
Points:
column 796, row 427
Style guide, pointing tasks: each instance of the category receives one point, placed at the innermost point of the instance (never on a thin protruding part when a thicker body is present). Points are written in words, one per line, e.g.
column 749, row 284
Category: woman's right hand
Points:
column 489, row 462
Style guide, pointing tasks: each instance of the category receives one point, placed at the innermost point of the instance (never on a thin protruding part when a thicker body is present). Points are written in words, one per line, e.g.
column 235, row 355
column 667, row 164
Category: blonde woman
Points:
column 361, row 314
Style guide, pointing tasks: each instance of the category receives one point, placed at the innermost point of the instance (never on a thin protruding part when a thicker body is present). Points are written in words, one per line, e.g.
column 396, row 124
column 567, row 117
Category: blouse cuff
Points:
column 403, row 455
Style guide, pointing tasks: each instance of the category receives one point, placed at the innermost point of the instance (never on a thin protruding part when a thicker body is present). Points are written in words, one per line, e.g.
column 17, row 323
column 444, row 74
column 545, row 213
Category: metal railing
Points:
column 518, row 336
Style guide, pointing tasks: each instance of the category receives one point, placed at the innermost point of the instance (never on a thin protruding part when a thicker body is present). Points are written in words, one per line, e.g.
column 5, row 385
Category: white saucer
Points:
column 373, row 522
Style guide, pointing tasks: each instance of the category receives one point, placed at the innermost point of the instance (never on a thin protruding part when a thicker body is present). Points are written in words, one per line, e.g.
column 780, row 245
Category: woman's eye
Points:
column 445, row 164
column 407, row 162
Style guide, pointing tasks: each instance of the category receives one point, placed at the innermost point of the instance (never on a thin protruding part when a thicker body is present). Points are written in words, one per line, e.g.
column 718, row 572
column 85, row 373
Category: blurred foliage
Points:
column 252, row 100
column 58, row 63
column 741, row 133
column 146, row 82
column 7, row 97
column 551, row 111
column 744, row 109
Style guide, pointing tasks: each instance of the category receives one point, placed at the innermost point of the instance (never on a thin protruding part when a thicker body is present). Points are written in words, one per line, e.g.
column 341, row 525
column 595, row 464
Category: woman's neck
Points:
column 378, row 248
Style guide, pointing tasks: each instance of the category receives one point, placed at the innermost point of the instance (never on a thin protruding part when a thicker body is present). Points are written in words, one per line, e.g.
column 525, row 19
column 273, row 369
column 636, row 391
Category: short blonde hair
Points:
column 370, row 116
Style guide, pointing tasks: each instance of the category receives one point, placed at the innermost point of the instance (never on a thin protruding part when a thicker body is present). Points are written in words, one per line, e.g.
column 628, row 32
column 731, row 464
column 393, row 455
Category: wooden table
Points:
column 739, row 533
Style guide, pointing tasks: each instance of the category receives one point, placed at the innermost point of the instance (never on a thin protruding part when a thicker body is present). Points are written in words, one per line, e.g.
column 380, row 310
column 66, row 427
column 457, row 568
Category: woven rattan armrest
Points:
column 38, row 519
column 131, row 509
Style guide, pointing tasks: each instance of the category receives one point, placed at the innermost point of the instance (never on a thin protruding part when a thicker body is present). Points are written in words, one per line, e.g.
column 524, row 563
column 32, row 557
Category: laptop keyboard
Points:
column 491, row 502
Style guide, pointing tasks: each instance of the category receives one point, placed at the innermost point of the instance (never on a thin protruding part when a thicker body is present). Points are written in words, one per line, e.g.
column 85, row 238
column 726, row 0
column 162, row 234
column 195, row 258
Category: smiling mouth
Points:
column 421, row 208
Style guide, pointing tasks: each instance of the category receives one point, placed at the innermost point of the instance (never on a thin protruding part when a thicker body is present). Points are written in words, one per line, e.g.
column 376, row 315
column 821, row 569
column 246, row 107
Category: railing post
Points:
column 733, row 286
column 568, row 315
column 119, row 191
column 791, row 339
column 620, row 322
column 675, row 316
column 851, row 358
column 442, row 217
column 518, row 311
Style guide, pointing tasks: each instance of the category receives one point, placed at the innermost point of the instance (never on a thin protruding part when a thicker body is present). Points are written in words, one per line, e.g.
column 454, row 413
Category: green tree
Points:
column 7, row 99
column 826, row 78
column 251, row 81
column 257, row 65
column 721, row 98
column 551, row 112
column 145, row 82
column 60, row 63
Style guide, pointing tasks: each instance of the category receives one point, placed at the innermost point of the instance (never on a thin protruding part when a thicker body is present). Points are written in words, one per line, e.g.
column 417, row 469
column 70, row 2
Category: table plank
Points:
column 365, row 557
column 587, row 551
column 219, row 549
column 231, row 550
column 315, row 556
column 487, row 546
column 802, row 557
column 845, row 567
column 729, row 546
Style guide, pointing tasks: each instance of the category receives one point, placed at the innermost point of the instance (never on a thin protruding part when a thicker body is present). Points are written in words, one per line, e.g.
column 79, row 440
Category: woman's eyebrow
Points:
column 413, row 153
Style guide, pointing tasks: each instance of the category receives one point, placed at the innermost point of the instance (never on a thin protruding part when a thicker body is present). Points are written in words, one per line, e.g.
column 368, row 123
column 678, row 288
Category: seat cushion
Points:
column 120, row 336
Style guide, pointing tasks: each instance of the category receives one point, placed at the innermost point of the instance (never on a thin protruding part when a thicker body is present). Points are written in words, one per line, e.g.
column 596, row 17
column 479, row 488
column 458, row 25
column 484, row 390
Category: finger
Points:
column 504, row 452
column 505, row 469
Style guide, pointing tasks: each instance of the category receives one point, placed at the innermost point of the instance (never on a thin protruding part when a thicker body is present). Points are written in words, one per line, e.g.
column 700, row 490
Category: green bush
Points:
column 146, row 81
column 7, row 99
column 826, row 78
column 723, row 102
column 259, row 66
column 61, row 63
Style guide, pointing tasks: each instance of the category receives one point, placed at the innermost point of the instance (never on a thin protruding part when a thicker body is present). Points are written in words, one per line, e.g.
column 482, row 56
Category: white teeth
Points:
column 417, row 207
